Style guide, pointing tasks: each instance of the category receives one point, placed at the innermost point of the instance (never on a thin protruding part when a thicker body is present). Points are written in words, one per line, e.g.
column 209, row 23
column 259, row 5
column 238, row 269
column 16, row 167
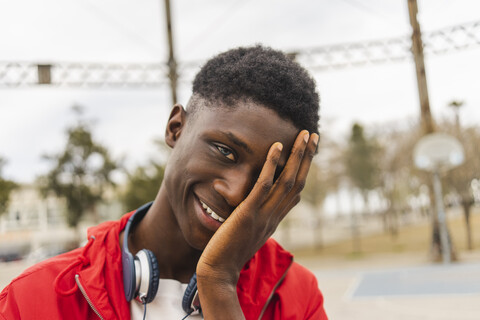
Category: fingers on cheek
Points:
column 272, row 161
column 270, row 166
column 298, row 151
column 292, row 184
column 275, row 148
column 270, row 228
column 275, row 153
column 265, row 185
column 288, row 185
column 311, row 147
column 310, row 152
column 265, row 180
column 299, row 185
column 315, row 138
column 294, row 162
column 305, row 165
column 293, row 202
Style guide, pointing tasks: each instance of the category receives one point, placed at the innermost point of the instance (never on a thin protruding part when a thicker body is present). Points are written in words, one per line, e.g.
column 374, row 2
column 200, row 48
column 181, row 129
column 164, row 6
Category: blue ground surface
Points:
column 427, row 280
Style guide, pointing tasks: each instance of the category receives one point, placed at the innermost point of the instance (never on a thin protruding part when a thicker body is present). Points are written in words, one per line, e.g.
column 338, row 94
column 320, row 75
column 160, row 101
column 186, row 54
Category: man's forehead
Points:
column 245, row 116
column 221, row 109
column 249, row 116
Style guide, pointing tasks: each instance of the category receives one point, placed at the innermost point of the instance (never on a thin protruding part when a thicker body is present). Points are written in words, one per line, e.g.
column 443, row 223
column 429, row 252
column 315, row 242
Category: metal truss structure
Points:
column 21, row 74
column 16, row 74
column 438, row 42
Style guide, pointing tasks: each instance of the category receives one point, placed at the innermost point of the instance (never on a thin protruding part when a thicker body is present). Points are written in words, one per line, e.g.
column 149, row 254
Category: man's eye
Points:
column 226, row 153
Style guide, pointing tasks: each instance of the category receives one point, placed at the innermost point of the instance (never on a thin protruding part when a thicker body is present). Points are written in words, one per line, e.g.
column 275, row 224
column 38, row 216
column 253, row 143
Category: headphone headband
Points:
column 131, row 279
column 133, row 220
column 141, row 274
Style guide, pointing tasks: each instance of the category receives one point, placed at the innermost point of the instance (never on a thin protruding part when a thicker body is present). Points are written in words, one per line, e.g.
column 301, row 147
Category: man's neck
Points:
column 159, row 232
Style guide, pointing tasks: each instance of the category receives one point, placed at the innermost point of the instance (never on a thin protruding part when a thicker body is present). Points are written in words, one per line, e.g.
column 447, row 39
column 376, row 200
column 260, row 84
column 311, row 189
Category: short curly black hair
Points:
column 264, row 76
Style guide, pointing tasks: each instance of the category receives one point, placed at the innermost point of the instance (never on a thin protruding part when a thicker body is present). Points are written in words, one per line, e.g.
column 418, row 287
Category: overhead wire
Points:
column 125, row 30
column 361, row 6
column 215, row 25
column 441, row 41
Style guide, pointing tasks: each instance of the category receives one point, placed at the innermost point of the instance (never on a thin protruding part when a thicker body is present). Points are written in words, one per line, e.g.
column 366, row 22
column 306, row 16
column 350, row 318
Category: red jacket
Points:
column 87, row 283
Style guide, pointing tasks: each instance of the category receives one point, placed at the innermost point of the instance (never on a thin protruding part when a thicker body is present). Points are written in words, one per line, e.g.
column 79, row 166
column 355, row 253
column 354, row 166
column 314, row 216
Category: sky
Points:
column 33, row 119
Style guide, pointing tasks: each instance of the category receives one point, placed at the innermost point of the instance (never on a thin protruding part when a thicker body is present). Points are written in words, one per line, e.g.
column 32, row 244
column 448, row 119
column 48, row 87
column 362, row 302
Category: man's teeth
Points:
column 212, row 213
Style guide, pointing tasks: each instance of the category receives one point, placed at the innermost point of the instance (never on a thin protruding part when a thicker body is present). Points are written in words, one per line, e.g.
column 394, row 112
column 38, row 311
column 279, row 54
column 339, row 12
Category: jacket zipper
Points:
column 273, row 291
column 77, row 280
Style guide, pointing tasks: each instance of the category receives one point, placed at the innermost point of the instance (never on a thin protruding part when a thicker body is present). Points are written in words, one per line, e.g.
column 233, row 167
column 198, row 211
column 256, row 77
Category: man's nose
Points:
column 234, row 188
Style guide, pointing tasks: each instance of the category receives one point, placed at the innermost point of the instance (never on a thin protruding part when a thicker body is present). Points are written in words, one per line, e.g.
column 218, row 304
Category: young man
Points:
column 241, row 152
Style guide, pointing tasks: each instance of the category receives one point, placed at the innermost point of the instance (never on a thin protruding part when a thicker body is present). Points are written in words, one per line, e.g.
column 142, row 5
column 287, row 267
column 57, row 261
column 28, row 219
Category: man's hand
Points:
column 249, row 227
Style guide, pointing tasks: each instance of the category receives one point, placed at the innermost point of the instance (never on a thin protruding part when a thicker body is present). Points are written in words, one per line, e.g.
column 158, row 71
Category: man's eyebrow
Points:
column 239, row 142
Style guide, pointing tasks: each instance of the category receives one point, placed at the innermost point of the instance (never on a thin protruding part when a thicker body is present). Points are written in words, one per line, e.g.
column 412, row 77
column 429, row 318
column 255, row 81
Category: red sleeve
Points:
column 8, row 306
column 297, row 297
column 315, row 306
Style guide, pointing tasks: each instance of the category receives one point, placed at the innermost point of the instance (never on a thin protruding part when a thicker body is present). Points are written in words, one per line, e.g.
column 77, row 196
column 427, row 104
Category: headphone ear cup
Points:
column 190, row 294
column 154, row 276
column 128, row 274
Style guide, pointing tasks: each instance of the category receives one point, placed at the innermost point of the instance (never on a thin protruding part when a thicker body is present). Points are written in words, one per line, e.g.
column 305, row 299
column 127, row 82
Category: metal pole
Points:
column 172, row 63
column 426, row 115
column 441, row 218
column 417, row 50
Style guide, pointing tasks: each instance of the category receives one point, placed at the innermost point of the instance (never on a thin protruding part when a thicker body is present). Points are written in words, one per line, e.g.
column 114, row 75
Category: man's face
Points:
column 216, row 161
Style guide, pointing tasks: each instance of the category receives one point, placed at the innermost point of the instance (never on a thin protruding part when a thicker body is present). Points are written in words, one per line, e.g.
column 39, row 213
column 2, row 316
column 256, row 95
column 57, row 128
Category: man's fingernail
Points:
column 305, row 137
column 315, row 138
column 279, row 146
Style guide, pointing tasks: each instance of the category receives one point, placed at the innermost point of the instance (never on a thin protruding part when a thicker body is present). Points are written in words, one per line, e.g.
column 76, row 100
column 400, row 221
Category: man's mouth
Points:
column 212, row 213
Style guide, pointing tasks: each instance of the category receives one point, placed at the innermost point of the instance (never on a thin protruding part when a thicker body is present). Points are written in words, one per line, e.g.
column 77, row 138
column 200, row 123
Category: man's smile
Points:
column 211, row 212
column 207, row 216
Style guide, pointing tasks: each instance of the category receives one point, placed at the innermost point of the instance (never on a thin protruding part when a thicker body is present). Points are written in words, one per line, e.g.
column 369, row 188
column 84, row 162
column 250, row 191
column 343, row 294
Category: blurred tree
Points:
column 144, row 182
column 6, row 187
column 397, row 172
column 331, row 160
column 362, row 162
column 325, row 176
column 315, row 189
column 402, row 180
column 143, row 185
column 314, row 193
column 362, row 168
column 81, row 172
column 460, row 178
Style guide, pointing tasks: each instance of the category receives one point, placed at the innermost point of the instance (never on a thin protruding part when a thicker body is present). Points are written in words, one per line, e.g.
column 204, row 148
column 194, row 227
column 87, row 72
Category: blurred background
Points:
column 86, row 88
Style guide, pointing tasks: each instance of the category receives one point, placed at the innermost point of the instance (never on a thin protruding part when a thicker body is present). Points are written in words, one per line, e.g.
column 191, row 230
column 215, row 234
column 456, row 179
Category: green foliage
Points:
column 460, row 179
column 80, row 173
column 315, row 189
column 143, row 185
column 6, row 187
column 144, row 182
column 362, row 160
column 400, row 178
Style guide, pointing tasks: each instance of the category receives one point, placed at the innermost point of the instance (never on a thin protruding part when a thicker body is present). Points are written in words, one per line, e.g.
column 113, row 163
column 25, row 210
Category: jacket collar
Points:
column 261, row 276
column 99, row 269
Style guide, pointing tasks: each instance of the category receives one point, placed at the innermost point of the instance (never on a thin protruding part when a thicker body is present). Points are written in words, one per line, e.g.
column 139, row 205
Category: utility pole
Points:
column 172, row 63
column 437, row 248
column 417, row 49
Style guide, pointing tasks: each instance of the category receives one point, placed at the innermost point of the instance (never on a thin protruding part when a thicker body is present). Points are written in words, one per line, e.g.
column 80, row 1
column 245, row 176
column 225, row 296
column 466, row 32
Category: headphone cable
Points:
column 188, row 315
column 144, row 308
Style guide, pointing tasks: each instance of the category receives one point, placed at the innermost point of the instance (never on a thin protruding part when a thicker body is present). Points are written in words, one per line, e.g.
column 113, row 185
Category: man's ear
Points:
column 175, row 124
